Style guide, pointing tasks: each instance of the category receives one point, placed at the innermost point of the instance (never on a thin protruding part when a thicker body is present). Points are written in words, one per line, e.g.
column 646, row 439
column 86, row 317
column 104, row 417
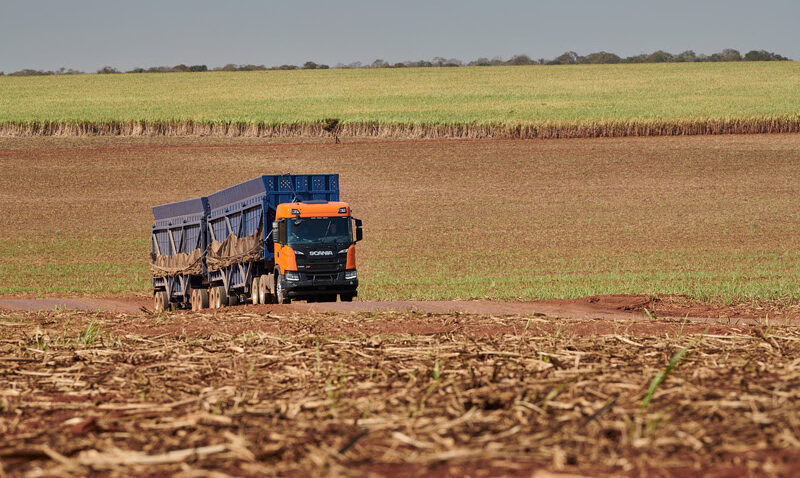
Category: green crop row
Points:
column 524, row 95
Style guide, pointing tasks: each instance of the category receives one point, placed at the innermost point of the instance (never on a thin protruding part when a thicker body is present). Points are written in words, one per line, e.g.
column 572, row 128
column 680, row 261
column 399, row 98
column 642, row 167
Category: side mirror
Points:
column 281, row 236
column 359, row 231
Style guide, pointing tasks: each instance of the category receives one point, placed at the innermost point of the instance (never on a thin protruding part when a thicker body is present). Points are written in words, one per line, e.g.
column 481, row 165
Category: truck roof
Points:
column 313, row 209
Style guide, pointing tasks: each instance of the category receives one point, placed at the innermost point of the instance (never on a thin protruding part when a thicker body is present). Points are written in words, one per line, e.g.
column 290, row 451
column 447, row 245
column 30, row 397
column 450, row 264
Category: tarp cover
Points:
column 234, row 250
column 181, row 263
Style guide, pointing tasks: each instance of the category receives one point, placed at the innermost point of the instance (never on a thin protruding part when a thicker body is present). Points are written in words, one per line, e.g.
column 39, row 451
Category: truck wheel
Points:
column 255, row 284
column 346, row 297
column 280, row 294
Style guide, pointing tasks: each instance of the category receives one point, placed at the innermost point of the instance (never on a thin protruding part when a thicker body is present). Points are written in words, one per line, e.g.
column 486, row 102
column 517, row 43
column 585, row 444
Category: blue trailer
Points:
column 221, row 249
column 178, row 243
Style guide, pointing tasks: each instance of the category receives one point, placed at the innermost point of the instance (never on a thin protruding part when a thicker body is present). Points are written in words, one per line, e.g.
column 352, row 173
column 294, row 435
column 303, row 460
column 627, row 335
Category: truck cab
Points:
column 315, row 253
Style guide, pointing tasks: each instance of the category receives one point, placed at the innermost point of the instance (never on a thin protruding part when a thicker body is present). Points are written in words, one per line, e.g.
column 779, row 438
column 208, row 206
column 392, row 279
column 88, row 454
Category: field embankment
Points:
column 713, row 218
column 472, row 102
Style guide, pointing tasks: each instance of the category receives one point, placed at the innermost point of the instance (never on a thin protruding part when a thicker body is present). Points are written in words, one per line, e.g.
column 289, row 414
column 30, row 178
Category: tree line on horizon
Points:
column 567, row 58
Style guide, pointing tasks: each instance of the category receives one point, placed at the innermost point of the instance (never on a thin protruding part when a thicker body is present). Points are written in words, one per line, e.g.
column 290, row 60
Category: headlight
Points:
column 344, row 251
column 349, row 275
column 292, row 276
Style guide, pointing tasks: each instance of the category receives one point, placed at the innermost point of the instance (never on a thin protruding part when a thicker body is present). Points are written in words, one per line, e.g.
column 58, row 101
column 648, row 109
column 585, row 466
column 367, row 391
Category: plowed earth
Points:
column 706, row 217
column 243, row 391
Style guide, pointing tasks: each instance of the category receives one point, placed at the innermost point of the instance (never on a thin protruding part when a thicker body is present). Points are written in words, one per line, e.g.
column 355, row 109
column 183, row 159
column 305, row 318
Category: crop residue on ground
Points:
column 287, row 395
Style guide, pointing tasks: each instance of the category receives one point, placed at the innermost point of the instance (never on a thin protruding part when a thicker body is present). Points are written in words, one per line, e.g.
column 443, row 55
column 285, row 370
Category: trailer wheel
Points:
column 220, row 297
column 254, row 286
column 212, row 297
column 161, row 301
column 264, row 295
column 202, row 298
column 280, row 294
column 193, row 300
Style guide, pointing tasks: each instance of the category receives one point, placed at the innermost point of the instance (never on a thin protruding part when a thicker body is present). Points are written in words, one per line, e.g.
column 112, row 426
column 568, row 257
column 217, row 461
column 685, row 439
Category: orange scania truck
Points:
column 271, row 239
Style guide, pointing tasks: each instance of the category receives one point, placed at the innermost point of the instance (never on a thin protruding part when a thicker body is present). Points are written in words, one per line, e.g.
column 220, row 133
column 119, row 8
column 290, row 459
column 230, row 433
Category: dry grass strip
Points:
column 595, row 129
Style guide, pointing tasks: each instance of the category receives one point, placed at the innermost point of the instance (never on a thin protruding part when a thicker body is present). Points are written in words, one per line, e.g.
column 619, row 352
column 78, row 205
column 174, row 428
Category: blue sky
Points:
column 88, row 34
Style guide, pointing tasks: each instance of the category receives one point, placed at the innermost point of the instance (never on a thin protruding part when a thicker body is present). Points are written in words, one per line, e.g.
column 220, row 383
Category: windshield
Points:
column 319, row 230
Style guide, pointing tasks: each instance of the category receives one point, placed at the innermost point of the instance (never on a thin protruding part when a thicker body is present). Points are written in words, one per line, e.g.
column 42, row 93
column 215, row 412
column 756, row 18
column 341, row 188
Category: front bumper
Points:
column 308, row 286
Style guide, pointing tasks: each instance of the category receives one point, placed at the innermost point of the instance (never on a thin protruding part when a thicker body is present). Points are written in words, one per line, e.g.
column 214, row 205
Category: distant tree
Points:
column 399, row 64
column 30, row 72
column 659, row 56
column 685, row 56
column 310, row 65
column 763, row 55
column 568, row 58
column 729, row 54
column 517, row 60
column 137, row 70
column 228, row 67
column 107, row 70
column 198, row 68
column 636, row 59
column 480, row 62
column 600, row 57
column 322, row 67
column 379, row 64
column 160, row 69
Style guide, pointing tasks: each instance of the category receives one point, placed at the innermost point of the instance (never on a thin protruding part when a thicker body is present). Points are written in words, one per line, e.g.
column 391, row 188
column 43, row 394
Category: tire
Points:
column 212, row 297
column 346, row 297
column 202, row 298
column 193, row 300
column 220, row 296
column 161, row 301
column 280, row 294
column 255, row 296
column 233, row 299
column 264, row 295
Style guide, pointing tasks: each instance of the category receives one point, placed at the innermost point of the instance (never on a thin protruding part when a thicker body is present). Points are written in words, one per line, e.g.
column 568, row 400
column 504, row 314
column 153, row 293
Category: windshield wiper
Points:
column 326, row 231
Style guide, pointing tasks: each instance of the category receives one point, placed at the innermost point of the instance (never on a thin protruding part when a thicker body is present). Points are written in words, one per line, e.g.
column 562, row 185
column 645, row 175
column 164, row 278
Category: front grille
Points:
column 322, row 265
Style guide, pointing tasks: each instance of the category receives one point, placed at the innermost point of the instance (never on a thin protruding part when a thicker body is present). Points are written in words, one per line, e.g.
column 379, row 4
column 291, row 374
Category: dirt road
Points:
column 615, row 307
